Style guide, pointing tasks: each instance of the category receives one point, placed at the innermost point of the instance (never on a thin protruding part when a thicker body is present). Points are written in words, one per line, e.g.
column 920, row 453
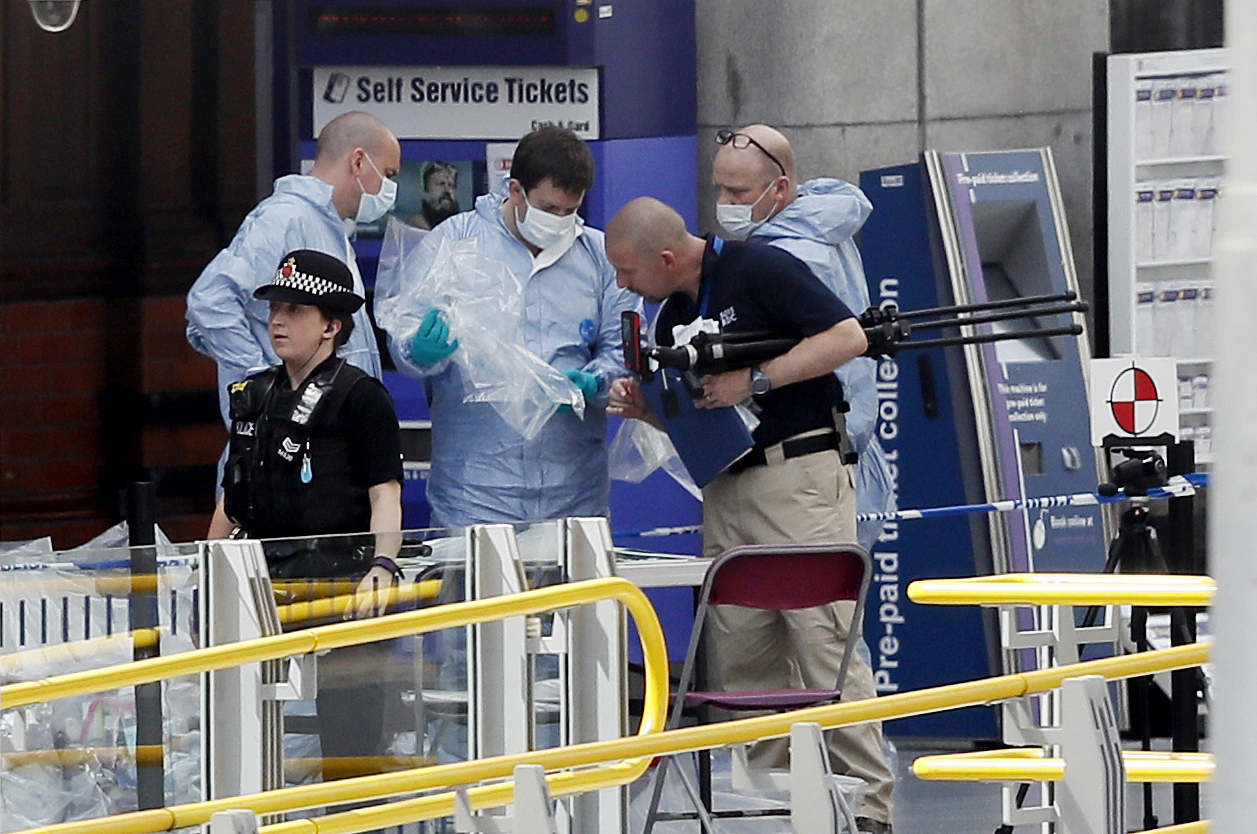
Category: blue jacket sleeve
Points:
column 225, row 321
column 608, row 357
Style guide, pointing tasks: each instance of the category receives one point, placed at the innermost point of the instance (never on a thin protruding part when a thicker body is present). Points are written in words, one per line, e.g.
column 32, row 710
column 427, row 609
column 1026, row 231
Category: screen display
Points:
column 433, row 20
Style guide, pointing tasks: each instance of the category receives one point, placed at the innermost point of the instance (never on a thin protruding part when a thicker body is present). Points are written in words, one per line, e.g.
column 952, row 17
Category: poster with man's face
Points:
column 428, row 191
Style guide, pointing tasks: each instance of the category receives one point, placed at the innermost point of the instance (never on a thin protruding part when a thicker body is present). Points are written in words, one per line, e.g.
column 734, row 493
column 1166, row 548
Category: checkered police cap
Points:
column 309, row 277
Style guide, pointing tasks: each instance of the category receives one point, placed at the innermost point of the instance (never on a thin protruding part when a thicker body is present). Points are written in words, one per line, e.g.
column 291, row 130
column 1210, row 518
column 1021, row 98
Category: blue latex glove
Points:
column 587, row 383
column 432, row 342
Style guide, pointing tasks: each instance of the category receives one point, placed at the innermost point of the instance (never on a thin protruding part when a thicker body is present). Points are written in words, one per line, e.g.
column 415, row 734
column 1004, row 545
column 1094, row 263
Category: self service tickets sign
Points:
column 461, row 102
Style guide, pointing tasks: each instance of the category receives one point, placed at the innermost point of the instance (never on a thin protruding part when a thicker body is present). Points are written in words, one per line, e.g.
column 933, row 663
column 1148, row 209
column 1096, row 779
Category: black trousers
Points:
column 354, row 690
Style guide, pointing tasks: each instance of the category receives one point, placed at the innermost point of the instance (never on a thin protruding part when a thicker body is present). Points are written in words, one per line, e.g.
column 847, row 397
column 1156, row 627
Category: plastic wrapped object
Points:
column 482, row 303
column 75, row 757
column 639, row 449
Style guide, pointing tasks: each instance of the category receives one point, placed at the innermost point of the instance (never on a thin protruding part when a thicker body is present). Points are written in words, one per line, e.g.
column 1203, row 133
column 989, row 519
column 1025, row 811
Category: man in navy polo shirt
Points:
column 794, row 485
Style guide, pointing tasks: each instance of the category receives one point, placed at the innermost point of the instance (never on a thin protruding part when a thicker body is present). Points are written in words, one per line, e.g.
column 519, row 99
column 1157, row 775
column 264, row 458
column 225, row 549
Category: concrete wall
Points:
column 859, row 85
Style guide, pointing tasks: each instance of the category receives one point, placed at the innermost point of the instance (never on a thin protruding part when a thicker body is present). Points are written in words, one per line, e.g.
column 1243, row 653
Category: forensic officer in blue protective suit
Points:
column 758, row 199
column 483, row 470
column 351, row 179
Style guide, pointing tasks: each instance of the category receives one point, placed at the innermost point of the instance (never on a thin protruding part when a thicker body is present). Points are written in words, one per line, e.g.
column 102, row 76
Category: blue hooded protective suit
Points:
column 483, row 470
column 818, row 229
column 225, row 321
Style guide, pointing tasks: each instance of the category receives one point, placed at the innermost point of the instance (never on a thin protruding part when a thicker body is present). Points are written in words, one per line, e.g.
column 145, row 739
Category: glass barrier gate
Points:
column 469, row 692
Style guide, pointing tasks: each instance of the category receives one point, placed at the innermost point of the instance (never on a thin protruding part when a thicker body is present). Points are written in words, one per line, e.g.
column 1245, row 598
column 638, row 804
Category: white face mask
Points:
column 371, row 207
column 543, row 229
column 736, row 220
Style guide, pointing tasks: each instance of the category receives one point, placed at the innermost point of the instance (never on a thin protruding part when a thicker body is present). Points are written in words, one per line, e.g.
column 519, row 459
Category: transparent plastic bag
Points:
column 875, row 493
column 639, row 449
column 481, row 302
column 16, row 551
column 35, row 795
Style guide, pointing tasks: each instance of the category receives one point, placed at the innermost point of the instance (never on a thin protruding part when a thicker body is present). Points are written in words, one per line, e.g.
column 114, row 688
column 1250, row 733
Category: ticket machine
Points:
column 976, row 424
column 459, row 82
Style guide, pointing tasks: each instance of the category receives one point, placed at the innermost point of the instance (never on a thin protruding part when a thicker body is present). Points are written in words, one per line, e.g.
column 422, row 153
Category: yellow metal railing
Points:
column 632, row 753
column 271, row 648
column 550, row 598
column 318, row 608
column 331, row 606
column 1031, row 764
column 339, row 635
column 1066, row 589
column 1199, row 827
column 715, row 735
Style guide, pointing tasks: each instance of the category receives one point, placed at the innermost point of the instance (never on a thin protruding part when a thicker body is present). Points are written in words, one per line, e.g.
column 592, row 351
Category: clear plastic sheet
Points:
column 639, row 448
column 75, row 758
column 20, row 550
column 873, row 480
column 482, row 302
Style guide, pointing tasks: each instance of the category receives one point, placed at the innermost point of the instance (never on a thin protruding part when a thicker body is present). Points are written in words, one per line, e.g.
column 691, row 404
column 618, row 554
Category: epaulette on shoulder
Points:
column 259, row 375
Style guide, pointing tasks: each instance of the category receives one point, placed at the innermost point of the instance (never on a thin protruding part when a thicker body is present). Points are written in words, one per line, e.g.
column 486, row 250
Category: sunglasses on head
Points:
column 741, row 141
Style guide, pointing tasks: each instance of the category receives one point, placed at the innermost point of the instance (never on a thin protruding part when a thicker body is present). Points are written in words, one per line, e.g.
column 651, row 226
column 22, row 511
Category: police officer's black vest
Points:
column 288, row 470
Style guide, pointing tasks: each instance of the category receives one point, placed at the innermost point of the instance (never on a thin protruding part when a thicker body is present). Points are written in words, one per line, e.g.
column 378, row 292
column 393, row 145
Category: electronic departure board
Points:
column 433, row 20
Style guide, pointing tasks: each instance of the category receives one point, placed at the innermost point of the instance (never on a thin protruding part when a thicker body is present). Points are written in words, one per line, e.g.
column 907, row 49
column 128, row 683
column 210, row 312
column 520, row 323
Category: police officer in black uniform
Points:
column 315, row 453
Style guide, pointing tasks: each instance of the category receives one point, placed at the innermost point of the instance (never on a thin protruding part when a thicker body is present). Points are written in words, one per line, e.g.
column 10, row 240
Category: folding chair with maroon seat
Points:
column 772, row 578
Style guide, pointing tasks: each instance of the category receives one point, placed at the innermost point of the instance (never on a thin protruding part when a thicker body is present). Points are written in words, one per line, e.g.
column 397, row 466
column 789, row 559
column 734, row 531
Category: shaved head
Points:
column 354, row 129
column 654, row 255
column 775, row 143
column 648, row 225
column 754, row 167
column 356, row 152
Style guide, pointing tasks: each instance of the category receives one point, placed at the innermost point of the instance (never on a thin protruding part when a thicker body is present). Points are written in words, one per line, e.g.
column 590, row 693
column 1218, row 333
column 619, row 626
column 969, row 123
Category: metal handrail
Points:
column 1198, row 827
column 1022, row 764
column 722, row 734
column 1066, row 589
column 335, row 636
column 318, row 608
column 633, row 754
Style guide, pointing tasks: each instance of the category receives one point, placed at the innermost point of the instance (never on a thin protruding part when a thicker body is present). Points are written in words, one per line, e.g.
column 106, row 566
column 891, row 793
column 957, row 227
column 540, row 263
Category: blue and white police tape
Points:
column 1178, row 486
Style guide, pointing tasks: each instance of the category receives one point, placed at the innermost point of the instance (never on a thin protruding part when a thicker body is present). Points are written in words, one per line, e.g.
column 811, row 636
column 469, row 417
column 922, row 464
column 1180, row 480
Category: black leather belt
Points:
column 793, row 448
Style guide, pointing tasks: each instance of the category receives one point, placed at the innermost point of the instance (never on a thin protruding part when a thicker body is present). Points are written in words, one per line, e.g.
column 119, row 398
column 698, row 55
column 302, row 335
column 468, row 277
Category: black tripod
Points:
column 1135, row 550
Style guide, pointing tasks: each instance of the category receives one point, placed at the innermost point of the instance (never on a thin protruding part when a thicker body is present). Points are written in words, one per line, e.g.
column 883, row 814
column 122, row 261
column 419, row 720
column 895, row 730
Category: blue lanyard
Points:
column 717, row 245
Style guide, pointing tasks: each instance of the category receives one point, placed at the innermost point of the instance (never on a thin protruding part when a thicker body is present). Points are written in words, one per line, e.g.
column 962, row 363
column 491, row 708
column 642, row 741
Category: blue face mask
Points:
column 371, row 207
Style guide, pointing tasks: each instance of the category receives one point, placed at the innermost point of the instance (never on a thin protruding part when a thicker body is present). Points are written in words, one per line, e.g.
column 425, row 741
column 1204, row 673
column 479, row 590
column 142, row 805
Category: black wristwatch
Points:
column 760, row 383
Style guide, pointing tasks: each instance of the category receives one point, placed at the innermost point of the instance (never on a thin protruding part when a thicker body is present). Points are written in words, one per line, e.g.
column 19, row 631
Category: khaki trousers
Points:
column 805, row 499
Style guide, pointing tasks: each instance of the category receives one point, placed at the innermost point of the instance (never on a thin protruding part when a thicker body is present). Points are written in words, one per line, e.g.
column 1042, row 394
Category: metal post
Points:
column 500, row 708
column 242, row 724
column 1092, row 796
column 597, row 679
column 816, row 802
column 1234, row 614
column 141, row 524
column 1180, row 555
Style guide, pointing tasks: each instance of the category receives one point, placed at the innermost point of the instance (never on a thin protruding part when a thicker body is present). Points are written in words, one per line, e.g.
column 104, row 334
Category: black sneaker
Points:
column 864, row 825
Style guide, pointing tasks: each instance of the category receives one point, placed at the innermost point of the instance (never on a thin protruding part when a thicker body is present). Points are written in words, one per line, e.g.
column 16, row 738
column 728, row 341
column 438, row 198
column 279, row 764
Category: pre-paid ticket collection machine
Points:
column 460, row 83
column 975, row 424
